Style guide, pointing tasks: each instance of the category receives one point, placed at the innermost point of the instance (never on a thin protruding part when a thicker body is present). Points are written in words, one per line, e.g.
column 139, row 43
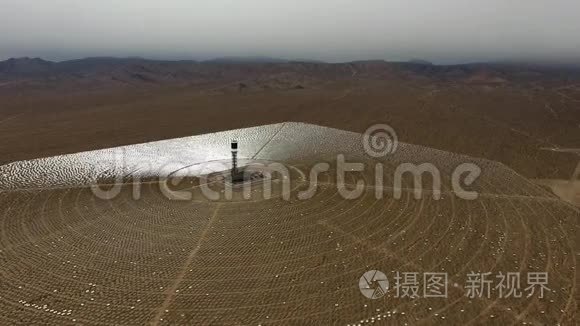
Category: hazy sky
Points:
column 442, row 31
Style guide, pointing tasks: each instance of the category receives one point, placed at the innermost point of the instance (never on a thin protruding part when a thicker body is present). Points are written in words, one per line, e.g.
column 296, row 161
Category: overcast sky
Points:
column 443, row 31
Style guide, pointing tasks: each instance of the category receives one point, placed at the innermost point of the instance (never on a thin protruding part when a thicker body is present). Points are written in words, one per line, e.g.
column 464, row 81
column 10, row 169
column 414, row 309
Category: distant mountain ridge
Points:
column 251, row 59
column 25, row 65
column 256, row 73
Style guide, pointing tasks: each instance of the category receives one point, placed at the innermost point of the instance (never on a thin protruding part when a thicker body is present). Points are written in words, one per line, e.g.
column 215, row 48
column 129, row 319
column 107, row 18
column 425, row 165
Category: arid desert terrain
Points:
column 70, row 257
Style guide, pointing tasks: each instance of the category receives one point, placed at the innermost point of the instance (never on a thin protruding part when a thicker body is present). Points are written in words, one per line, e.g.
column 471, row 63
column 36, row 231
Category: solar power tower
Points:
column 234, row 159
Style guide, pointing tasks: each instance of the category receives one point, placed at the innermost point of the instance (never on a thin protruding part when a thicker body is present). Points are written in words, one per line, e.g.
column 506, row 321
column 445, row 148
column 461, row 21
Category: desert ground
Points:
column 566, row 190
column 507, row 114
column 70, row 257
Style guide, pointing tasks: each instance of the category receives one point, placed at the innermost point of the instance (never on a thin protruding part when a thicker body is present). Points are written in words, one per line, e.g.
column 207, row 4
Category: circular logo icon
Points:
column 380, row 140
column 373, row 284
